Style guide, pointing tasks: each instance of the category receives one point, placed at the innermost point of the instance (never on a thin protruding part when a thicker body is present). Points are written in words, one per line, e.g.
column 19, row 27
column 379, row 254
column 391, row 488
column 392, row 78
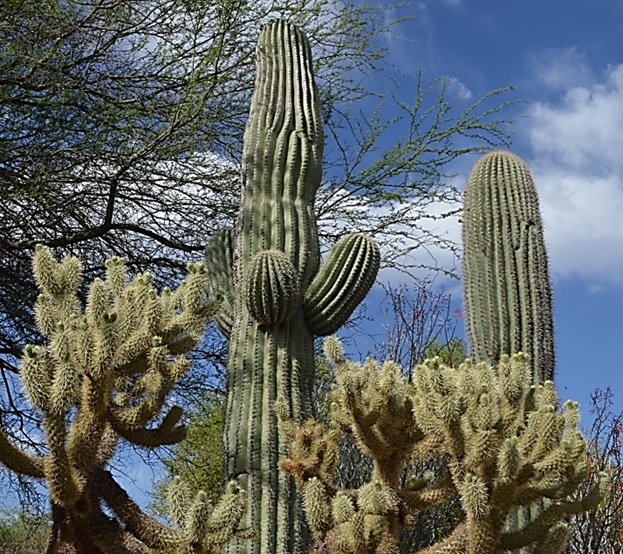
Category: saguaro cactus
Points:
column 507, row 291
column 275, row 295
column 508, row 299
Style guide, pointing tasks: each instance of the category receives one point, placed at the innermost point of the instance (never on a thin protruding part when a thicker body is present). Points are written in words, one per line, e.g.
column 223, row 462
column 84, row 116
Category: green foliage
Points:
column 103, row 376
column 451, row 354
column 22, row 533
column 504, row 442
column 198, row 459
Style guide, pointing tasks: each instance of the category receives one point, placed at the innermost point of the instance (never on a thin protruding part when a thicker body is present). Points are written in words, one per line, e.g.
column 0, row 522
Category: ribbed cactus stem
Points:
column 265, row 276
column 507, row 291
column 281, row 171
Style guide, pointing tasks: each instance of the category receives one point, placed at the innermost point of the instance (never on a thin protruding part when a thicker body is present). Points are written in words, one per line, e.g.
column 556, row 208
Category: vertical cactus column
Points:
column 507, row 291
column 275, row 293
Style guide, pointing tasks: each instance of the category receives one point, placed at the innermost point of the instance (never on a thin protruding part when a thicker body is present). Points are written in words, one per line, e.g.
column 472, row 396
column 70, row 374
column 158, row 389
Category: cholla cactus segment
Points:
column 37, row 370
column 505, row 442
column 64, row 388
column 342, row 508
column 178, row 501
column 16, row 460
column 197, row 520
column 104, row 376
column 333, row 350
column 508, row 299
column 317, row 506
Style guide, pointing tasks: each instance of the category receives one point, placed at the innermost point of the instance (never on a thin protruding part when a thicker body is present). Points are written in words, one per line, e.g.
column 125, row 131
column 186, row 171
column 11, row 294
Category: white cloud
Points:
column 577, row 162
column 561, row 68
column 457, row 89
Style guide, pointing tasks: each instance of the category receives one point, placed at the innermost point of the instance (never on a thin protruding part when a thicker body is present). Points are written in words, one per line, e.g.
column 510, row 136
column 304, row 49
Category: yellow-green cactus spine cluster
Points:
column 504, row 442
column 507, row 291
column 103, row 376
column 275, row 293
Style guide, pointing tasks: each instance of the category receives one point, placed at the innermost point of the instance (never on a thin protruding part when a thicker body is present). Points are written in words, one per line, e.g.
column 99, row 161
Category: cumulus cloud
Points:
column 560, row 69
column 576, row 159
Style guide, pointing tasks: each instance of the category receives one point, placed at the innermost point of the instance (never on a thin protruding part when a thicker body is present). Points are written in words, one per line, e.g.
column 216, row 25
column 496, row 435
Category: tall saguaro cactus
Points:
column 508, row 299
column 275, row 293
column 507, row 296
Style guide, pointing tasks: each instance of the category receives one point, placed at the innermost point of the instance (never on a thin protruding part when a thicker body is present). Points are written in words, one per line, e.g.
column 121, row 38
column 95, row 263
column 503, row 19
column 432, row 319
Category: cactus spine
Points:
column 507, row 291
column 276, row 296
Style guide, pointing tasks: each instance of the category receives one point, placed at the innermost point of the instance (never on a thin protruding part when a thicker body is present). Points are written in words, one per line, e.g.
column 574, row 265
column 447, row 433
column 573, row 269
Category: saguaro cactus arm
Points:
column 219, row 263
column 342, row 283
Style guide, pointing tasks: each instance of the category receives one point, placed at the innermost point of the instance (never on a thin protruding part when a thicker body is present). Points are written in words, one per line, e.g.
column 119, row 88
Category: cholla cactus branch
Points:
column 17, row 460
column 104, row 376
column 505, row 443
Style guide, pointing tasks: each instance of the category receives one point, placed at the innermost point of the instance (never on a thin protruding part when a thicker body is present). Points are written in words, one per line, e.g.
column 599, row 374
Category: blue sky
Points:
column 565, row 58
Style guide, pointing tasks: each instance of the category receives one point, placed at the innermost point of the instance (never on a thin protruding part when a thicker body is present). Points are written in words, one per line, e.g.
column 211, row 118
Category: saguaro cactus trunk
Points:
column 276, row 295
column 508, row 299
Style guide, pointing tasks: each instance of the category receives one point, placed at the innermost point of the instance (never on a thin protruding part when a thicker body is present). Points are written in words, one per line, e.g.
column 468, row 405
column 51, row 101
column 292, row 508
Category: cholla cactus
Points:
column 205, row 527
column 104, row 376
column 504, row 442
column 276, row 294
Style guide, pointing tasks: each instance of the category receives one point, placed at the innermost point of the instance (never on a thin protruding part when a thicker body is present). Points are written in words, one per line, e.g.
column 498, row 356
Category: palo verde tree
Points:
column 121, row 134
column 122, row 126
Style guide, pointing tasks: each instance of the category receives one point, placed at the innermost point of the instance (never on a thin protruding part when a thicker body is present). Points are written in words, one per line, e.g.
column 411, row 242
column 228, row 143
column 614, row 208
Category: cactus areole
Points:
column 276, row 295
